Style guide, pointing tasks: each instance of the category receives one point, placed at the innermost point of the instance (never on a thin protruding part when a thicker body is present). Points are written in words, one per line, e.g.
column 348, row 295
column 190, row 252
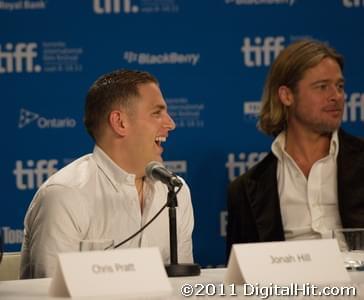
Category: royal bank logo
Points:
column 23, row 5
column 19, row 58
column 353, row 3
column 27, row 117
column 261, row 51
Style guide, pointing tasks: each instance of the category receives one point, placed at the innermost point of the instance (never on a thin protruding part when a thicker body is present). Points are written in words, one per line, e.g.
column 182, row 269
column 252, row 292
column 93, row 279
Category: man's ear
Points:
column 118, row 122
column 285, row 95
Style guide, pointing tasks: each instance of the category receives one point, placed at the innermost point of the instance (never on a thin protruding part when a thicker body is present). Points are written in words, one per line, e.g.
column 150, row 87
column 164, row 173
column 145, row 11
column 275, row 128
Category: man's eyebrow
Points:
column 341, row 80
column 159, row 106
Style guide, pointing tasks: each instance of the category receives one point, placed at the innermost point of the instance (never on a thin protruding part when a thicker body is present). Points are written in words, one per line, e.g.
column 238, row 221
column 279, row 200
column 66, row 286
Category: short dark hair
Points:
column 119, row 87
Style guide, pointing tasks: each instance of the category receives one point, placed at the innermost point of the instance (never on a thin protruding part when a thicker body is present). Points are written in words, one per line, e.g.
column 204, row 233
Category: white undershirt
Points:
column 309, row 206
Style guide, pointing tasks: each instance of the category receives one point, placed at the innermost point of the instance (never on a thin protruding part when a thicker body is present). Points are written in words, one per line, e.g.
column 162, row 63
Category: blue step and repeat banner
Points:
column 211, row 57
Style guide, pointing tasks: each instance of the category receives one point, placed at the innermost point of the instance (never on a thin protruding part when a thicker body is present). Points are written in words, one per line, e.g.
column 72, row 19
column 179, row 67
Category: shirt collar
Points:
column 112, row 171
column 279, row 143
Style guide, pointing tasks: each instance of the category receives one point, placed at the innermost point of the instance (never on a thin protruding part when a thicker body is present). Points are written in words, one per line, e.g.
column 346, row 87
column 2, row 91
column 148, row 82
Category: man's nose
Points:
column 169, row 123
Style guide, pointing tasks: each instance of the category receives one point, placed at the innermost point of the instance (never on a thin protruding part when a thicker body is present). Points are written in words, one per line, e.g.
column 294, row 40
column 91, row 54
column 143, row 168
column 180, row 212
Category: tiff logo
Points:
column 261, row 51
column 245, row 161
column 114, row 6
column 18, row 58
column 353, row 3
column 354, row 108
column 34, row 173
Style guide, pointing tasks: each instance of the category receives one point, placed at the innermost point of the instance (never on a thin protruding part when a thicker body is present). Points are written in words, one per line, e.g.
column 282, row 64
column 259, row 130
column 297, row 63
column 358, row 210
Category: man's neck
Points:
column 306, row 148
column 123, row 160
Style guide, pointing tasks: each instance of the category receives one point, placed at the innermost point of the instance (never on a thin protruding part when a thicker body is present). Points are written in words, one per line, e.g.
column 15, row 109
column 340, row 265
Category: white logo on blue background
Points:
column 353, row 3
column 23, row 5
column 19, row 58
column 31, row 174
column 238, row 165
column 176, row 166
column 260, row 51
column 27, row 117
column 104, row 7
column 161, row 58
column 354, row 108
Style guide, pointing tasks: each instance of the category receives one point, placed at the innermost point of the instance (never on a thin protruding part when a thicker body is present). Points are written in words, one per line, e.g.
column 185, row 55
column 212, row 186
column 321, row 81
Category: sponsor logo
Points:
column 176, row 166
column 23, row 5
column 19, row 58
column 25, row 57
column 12, row 236
column 186, row 114
column 31, row 174
column 354, row 108
column 239, row 164
column 261, row 2
column 161, row 59
column 353, row 3
column 102, row 7
column 252, row 108
column 27, row 117
column 114, row 6
column 260, row 51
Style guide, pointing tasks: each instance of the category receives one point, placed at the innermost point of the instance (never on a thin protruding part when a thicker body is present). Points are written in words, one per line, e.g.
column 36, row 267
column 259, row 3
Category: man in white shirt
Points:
column 105, row 195
column 311, row 181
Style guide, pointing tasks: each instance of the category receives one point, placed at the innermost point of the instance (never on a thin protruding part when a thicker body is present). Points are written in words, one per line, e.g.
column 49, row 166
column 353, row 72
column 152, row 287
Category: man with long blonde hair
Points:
column 311, row 181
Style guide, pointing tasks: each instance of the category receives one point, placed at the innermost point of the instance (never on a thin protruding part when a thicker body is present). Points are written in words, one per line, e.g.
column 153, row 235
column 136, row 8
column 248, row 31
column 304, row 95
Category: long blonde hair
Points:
column 288, row 69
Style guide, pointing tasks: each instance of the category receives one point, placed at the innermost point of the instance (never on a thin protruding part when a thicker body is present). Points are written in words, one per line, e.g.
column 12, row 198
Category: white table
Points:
column 32, row 289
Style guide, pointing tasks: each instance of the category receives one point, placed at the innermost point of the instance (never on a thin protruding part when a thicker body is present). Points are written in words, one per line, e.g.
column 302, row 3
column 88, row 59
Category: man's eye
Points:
column 322, row 86
column 340, row 87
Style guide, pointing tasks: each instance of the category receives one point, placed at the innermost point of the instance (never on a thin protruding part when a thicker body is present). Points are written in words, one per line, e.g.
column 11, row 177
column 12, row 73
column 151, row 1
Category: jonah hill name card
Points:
column 127, row 272
column 313, row 261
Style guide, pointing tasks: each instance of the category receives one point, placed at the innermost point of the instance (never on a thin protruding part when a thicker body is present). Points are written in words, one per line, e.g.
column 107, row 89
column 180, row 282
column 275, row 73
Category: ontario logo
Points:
column 27, row 117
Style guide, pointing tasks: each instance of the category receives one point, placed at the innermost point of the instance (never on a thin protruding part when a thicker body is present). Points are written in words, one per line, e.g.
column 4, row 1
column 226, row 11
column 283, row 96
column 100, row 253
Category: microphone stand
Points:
column 174, row 269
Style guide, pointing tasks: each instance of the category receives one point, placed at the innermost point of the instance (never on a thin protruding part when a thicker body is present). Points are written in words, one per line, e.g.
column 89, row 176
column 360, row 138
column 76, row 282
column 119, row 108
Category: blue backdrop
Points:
column 211, row 57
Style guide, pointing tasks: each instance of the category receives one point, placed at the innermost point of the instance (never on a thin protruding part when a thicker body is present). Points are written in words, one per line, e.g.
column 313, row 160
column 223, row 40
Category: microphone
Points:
column 157, row 171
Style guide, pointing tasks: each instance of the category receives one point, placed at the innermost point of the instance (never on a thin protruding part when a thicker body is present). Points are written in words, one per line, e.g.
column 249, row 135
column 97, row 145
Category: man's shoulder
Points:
column 350, row 141
column 75, row 174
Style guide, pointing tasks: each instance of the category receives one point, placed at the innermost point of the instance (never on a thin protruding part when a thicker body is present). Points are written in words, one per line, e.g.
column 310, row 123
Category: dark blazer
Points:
column 253, row 202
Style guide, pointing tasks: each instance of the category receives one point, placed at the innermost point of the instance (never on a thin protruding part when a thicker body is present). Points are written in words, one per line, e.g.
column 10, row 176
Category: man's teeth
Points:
column 160, row 139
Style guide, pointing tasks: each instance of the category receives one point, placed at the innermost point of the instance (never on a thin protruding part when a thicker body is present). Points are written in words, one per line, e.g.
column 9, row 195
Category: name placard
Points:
column 309, row 261
column 126, row 272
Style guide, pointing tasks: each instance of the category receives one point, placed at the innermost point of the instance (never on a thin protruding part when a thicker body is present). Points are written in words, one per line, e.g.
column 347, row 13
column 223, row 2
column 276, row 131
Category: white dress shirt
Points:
column 93, row 198
column 309, row 206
